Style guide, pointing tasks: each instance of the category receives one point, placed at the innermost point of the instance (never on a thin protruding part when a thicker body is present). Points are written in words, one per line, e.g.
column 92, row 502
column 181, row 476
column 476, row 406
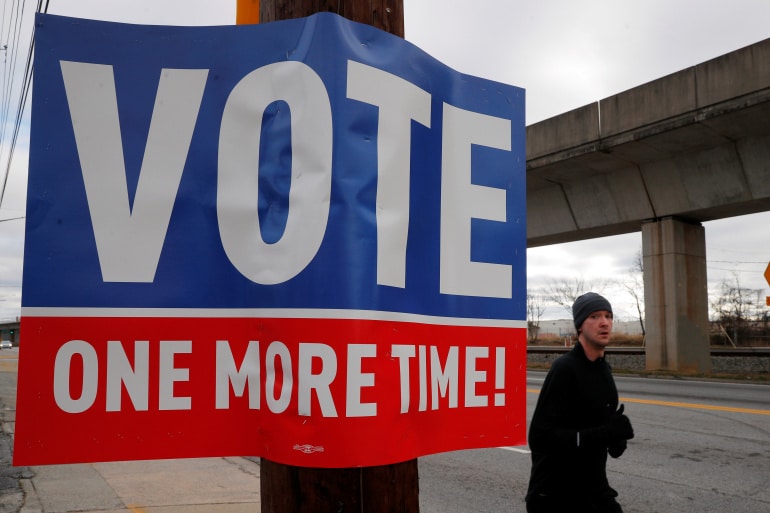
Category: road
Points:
column 699, row 447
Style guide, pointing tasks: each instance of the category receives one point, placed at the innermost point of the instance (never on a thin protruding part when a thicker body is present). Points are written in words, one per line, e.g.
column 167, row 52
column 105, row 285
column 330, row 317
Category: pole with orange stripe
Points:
column 379, row 489
column 247, row 12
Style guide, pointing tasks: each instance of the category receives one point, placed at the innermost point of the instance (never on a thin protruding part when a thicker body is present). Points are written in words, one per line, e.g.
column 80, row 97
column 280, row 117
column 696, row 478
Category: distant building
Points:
column 565, row 327
column 9, row 330
column 558, row 327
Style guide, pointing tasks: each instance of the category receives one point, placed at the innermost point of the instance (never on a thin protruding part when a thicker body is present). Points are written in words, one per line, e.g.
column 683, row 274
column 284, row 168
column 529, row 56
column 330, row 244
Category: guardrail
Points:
column 720, row 351
column 752, row 360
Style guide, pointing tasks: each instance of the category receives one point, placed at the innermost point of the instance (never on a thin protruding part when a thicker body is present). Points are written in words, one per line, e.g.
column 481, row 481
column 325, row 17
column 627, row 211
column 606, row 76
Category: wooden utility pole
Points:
column 387, row 15
column 380, row 489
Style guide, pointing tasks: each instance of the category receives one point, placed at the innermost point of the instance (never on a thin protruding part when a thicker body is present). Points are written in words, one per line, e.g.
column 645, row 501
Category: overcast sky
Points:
column 565, row 53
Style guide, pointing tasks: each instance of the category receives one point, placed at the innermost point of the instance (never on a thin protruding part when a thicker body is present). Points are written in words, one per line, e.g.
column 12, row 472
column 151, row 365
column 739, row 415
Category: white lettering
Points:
column 474, row 376
column 444, row 380
column 169, row 374
column 229, row 374
column 136, row 379
column 423, row 374
column 403, row 353
column 319, row 382
column 311, row 170
column 500, row 376
column 61, row 376
column 462, row 201
column 316, row 371
column 129, row 238
column 358, row 379
column 278, row 350
column 130, row 234
column 400, row 102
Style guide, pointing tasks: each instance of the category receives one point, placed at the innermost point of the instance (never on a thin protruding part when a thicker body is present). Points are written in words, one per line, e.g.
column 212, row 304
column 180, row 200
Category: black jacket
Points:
column 576, row 399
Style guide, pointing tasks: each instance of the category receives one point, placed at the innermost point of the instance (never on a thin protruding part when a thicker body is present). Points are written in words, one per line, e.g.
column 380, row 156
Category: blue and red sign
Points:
column 303, row 240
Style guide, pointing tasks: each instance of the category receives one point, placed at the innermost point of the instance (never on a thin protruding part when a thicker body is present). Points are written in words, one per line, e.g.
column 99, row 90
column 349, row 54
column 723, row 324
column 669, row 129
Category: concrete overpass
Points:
column 661, row 158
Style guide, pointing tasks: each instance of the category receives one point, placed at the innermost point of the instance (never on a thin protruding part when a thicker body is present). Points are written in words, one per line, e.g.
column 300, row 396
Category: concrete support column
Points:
column 675, row 295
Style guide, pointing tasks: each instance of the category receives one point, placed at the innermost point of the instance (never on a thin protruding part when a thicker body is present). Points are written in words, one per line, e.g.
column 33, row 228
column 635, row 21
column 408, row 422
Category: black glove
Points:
column 617, row 449
column 619, row 427
column 614, row 432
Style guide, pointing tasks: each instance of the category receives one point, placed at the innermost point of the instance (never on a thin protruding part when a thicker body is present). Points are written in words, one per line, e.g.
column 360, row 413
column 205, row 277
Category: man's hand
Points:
column 613, row 433
column 619, row 427
column 617, row 449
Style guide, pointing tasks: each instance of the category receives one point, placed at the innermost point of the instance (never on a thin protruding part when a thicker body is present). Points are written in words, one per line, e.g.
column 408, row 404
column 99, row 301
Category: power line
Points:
column 712, row 249
column 737, row 262
column 13, row 35
column 26, row 82
column 757, row 272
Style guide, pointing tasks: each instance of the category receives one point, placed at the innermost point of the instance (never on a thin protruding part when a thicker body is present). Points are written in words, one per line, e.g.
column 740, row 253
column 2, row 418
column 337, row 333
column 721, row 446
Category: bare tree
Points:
column 535, row 309
column 733, row 308
column 635, row 288
column 564, row 291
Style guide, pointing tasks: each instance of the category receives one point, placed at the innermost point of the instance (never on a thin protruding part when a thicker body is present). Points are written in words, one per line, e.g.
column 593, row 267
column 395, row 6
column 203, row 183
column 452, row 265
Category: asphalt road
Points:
column 699, row 447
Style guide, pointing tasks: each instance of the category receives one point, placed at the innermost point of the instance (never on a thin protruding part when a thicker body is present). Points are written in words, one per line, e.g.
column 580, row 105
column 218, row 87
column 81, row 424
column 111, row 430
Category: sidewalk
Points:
column 226, row 485
column 222, row 485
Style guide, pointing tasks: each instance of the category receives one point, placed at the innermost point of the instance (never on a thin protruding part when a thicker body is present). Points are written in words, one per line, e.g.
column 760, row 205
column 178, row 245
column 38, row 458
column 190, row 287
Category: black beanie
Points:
column 587, row 304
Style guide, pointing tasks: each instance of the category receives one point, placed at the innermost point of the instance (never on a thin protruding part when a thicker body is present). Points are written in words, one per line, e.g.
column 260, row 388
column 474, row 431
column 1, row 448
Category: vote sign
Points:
column 302, row 240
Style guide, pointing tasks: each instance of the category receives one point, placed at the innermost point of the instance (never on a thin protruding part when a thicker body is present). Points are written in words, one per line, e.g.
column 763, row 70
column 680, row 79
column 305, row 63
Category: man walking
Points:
column 577, row 422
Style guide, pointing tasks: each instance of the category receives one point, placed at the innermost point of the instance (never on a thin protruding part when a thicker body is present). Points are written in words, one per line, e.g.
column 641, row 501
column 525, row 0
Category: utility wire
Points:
column 13, row 36
column 27, row 81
